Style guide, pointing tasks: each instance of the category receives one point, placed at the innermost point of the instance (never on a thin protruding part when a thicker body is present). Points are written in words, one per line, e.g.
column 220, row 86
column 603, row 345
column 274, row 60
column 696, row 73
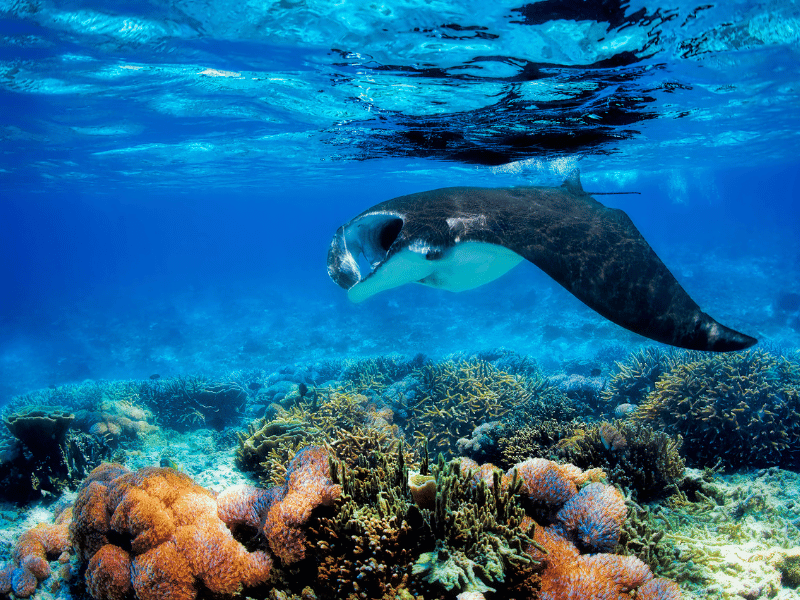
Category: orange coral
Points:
column 308, row 486
column 569, row 574
column 109, row 573
column 544, row 481
column 592, row 519
column 177, row 541
column 30, row 557
column 659, row 589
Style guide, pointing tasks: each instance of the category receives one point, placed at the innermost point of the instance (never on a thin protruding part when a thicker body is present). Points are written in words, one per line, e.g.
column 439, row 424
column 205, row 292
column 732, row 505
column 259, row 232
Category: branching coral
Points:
column 635, row 456
column 534, row 440
column 738, row 410
column 379, row 372
column 637, row 376
column 185, row 403
column 455, row 397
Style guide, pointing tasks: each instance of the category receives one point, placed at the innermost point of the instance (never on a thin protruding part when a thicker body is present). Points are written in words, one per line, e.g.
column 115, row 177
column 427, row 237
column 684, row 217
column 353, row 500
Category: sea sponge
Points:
column 423, row 489
column 595, row 515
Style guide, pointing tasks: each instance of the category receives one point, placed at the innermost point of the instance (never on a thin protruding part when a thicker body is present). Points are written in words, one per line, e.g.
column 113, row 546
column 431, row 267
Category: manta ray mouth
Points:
column 369, row 237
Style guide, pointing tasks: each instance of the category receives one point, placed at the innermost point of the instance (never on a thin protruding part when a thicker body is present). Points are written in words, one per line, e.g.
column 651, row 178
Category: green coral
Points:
column 789, row 566
column 377, row 539
column 637, row 376
column 452, row 570
column 634, row 456
column 735, row 410
column 454, row 397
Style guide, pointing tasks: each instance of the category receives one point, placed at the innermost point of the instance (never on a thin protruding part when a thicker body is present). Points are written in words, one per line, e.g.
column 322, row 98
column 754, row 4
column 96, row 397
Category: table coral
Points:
column 178, row 543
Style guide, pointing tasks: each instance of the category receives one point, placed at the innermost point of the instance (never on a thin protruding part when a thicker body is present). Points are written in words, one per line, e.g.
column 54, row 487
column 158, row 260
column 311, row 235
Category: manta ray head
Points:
column 365, row 244
column 381, row 250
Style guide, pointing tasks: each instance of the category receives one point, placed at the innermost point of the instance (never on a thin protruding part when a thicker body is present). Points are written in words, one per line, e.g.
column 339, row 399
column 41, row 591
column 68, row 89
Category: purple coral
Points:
column 595, row 516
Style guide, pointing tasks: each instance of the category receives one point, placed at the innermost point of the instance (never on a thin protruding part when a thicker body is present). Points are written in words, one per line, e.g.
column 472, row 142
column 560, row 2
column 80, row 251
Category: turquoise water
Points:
column 171, row 175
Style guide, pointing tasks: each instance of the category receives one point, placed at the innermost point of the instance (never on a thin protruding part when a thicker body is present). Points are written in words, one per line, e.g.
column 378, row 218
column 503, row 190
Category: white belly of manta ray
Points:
column 462, row 267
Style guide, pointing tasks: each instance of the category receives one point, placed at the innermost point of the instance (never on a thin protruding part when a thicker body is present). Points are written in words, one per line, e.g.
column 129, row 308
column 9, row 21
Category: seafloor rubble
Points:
column 408, row 478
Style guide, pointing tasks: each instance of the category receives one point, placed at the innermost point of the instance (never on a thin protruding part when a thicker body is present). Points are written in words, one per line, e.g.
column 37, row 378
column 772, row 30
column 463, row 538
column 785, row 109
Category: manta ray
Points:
column 459, row 238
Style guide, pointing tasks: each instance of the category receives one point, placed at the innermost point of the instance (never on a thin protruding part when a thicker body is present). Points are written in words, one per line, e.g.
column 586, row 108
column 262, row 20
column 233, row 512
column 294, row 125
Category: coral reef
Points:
column 453, row 398
column 31, row 553
column 46, row 454
column 185, row 403
column 643, row 461
column 165, row 530
column 732, row 410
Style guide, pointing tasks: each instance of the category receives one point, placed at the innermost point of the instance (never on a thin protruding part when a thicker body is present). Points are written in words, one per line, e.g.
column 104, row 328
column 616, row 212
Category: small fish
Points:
column 168, row 463
column 155, row 376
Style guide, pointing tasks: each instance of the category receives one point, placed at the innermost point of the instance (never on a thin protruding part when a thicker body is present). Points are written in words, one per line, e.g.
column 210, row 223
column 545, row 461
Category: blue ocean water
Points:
column 171, row 174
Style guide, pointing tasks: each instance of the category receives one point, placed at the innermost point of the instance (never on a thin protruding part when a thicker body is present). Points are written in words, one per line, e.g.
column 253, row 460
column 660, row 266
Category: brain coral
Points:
column 739, row 410
column 178, row 544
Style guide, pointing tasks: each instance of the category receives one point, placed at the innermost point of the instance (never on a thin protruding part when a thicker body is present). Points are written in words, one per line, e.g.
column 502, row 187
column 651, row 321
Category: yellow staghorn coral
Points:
column 738, row 410
column 458, row 396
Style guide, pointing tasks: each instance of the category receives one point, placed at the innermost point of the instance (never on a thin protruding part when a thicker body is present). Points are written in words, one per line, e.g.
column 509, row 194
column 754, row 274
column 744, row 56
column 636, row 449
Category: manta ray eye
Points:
column 390, row 232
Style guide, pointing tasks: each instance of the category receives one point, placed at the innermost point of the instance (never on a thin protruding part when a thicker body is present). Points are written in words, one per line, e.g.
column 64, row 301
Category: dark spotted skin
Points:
column 593, row 251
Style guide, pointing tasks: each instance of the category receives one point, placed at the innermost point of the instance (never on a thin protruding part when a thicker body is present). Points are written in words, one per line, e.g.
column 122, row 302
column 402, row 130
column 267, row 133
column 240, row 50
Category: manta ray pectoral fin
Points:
column 620, row 276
